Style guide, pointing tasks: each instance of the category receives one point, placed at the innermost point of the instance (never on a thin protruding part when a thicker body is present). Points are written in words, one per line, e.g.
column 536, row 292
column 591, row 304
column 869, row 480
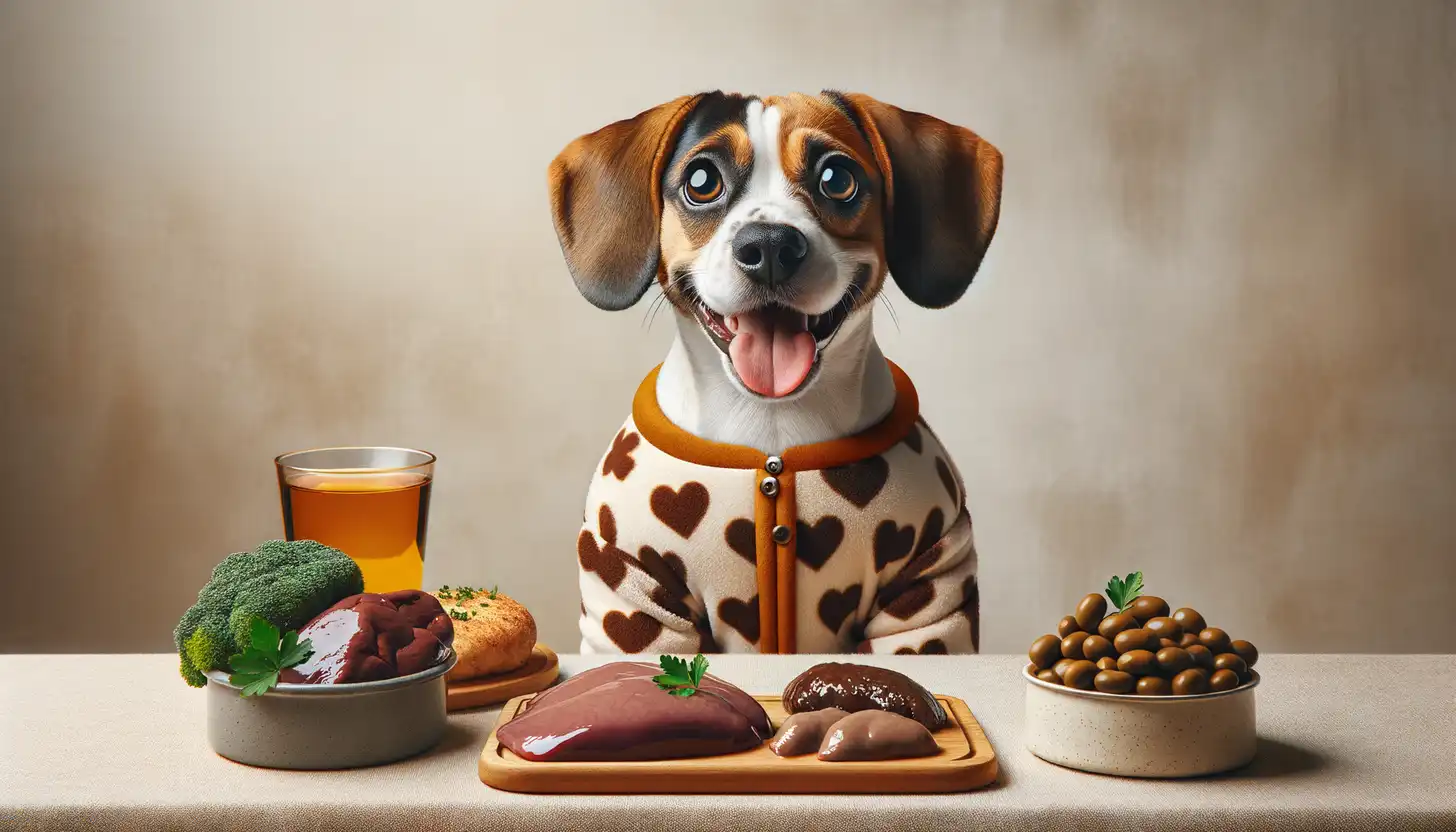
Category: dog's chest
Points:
column 778, row 561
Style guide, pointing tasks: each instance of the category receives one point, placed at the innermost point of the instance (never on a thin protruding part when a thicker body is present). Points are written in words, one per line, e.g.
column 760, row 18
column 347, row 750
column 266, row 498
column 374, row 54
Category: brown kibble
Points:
column 1045, row 651
column 1189, row 619
column 1116, row 623
column 1202, row 656
column 1060, row 668
column 1049, row 675
column 1097, row 647
column 1135, row 639
column 1215, row 639
column 1080, row 674
column 1231, row 661
column 1153, row 686
column 1114, row 681
column 1188, row 640
column 1090, row 611
column 1067, row 626
column 1138, row 662
column 1147, row 607
column 1247, row 651
column 1072, row 645
column 1191, row 682
column 1107, row 663
column 1174, row 660
column 1164, row 627
column 1223, row 680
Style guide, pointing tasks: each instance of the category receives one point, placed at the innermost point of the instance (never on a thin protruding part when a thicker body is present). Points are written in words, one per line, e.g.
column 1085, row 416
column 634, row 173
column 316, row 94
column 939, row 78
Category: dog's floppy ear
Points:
column 942, row 197
column 607, row 205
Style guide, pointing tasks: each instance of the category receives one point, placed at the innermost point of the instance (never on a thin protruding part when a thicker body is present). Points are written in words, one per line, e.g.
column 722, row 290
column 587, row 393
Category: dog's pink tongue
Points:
column 772, row 351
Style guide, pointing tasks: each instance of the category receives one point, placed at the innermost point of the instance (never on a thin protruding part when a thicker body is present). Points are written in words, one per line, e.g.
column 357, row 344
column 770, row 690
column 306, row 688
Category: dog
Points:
column 775, row 489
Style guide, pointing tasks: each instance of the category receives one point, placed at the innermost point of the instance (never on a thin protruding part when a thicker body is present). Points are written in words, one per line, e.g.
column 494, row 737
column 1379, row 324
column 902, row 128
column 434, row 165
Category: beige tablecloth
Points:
column 118, row 742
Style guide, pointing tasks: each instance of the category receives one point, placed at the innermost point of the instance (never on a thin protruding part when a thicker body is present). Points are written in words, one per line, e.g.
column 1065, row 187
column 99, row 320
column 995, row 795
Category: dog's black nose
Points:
column 769, row 253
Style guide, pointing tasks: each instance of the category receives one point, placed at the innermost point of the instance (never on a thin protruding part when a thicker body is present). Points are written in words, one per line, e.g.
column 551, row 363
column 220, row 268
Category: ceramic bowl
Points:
column 1141, row 736
column 328, row 726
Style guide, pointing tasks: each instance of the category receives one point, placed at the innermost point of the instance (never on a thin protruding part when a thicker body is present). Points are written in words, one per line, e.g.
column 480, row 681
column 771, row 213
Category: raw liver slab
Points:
column 616, row 712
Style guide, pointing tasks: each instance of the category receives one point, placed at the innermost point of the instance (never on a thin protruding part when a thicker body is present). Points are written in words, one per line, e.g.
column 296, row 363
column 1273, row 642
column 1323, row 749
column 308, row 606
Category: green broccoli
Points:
column 285, row 583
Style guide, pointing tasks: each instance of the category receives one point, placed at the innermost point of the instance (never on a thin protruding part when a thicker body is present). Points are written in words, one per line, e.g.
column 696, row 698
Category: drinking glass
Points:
column 373, row 504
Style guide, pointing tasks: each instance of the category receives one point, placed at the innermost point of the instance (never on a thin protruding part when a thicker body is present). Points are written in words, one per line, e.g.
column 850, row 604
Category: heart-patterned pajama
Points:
column 860, row 544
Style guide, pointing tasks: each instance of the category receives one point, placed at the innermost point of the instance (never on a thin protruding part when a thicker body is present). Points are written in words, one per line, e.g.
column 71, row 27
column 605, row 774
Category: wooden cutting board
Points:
column 538, row 673
column 966, row 761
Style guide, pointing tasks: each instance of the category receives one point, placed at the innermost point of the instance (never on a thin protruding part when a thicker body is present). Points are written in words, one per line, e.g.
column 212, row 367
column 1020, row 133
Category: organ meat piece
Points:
column 616, row 712
column 804, row 733
column 368, row 637
column 859, row 687
column 876, row 735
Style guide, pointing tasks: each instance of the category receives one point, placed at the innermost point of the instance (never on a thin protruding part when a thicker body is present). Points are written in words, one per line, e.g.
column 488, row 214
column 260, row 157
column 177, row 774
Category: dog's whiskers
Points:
column 662, row 298
column 895, row 319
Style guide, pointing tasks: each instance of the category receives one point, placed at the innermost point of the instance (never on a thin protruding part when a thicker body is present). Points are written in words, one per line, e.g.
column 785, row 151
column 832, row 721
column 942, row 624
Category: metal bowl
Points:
column 1141, row 736
column 328, row 726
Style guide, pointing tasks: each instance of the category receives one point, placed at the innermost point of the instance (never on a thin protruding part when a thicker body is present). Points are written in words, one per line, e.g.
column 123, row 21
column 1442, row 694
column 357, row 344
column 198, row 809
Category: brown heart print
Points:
column 836, row 605
column 913, row 440
column 609, row 562
column 948, row 480
column 607, row 524
column 815, row 544
column 671, row 574
column 933, row 647
column 682, row 510
column 742, row 539
column 914, row 598
column 971, row 608
column 618, row 462
column 632, row 633
column 892, row 543
column 741, row 616
column 930, row 533
column 858, row 482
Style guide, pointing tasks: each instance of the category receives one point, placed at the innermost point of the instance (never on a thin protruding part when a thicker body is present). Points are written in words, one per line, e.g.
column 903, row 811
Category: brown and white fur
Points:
column 926, row 197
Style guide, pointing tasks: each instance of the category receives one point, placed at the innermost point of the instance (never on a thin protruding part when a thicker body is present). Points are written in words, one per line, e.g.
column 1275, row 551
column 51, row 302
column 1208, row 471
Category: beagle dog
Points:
column 774, row 488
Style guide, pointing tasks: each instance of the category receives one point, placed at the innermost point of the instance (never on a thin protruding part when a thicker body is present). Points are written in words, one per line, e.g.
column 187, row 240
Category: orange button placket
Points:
column 776, row 563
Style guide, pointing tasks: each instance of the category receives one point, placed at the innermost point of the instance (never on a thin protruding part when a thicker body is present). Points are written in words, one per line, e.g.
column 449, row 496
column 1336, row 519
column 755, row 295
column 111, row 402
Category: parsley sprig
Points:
column 256, row 669
column 680, row 678
column 460, row 595
column 1123, row 591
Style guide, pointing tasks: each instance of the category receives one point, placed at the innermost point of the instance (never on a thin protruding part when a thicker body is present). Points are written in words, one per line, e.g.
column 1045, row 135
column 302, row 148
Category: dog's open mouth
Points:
column 773, row 349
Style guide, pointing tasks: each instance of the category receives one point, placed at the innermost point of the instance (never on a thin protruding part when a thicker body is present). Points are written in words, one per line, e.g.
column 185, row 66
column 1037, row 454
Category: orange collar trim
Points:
column 674, row 441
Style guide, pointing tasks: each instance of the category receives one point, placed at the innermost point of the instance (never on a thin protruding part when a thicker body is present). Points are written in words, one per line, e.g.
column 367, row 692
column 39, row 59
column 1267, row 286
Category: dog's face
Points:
column 773, row 222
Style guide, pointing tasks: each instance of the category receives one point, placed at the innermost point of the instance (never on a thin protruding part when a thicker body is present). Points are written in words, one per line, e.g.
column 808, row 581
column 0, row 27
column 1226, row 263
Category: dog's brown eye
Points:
column 837, row 183
column 703, row 183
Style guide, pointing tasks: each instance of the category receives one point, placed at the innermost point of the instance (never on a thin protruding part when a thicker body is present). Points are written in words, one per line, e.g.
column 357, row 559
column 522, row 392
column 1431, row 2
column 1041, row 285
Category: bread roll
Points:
column 492, row 634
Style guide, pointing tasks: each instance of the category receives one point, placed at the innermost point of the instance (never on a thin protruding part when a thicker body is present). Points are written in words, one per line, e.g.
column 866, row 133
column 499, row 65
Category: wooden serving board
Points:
column 966, row 761
column 538, row 673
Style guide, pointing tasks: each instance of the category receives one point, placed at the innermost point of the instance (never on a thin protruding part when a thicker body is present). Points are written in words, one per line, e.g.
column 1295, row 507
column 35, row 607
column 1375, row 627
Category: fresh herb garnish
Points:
column 256, row 669
column 461, row 615
column 1123, row 591
column 461, row 594
column 678, row 677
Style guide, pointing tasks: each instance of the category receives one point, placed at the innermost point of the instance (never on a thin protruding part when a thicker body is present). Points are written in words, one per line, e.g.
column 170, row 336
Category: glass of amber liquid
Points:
column 370, row 503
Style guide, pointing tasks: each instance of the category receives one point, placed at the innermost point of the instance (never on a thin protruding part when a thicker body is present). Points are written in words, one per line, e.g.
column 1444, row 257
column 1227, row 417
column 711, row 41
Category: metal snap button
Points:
column 774, row 465
column 769, row 486
column 781, row 534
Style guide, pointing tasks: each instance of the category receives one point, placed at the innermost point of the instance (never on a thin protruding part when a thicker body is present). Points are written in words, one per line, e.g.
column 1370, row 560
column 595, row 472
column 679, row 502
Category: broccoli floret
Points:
column 285, row 583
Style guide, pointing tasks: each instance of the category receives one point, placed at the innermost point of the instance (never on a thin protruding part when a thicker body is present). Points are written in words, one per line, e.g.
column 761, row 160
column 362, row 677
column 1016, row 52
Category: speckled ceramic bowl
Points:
column 1141, row 736
column 328, row 726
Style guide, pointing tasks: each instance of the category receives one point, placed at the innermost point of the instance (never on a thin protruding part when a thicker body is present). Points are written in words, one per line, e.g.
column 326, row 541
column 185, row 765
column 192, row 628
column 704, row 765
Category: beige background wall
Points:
column 1212, row 340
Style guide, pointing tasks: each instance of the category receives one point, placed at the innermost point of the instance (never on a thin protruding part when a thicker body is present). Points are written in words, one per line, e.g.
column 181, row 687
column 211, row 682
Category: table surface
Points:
column 118, row 741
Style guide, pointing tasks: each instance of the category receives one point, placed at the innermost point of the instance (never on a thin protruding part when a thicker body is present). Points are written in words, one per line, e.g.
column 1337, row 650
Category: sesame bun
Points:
column 496, row 634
